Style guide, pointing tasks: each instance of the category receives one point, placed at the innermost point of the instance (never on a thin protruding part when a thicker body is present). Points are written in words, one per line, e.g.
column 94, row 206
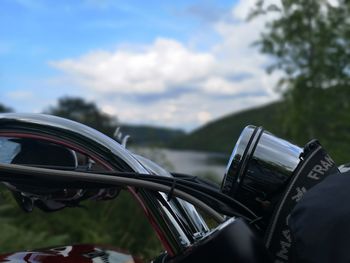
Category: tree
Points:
column 88, row 113
column 4, row 108
column 309, row 41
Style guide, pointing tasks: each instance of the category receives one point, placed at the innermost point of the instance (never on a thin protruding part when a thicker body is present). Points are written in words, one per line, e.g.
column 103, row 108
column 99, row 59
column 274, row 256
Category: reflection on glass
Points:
column 8, row 150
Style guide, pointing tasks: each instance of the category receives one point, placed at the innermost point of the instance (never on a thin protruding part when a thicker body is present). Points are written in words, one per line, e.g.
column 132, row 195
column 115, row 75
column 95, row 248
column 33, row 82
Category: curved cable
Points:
column 200, row 188
column 6, row 169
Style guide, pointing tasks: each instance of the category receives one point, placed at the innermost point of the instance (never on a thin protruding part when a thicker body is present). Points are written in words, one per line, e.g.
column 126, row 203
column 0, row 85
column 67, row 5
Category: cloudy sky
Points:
column 167, row 63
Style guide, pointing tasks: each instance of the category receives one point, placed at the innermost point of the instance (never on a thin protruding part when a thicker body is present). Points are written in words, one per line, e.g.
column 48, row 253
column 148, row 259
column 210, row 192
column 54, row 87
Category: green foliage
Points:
column 155, row 155
column 308, row 41
column 88, row 113
column 120, row 223
column 224, row 132
column 4, row 108
column 142, row 135
column 212, row 177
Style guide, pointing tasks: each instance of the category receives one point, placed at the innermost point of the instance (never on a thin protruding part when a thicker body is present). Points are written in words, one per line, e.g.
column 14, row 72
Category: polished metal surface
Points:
column 278, row 151
column 195, row 222
column 272, row 163
column 259, row 153
column 48, row 123
column 176, row 234
column 259, row 169
column 234, row 169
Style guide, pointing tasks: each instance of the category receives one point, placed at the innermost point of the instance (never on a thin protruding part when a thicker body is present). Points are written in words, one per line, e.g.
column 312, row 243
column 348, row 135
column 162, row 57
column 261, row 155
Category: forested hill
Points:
column 143, row 135
column 221, row 135
column 331, row 129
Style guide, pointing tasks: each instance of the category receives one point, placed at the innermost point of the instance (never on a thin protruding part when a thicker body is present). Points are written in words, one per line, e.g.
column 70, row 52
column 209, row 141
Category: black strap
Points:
column 171, row 192
column 315, row 165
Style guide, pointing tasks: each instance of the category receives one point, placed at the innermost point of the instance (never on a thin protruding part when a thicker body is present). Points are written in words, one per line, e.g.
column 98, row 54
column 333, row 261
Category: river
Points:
column 205, row 164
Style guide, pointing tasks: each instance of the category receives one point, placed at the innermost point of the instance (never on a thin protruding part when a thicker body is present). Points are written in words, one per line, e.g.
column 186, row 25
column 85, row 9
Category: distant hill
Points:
column 143, row 135
column 221, row 135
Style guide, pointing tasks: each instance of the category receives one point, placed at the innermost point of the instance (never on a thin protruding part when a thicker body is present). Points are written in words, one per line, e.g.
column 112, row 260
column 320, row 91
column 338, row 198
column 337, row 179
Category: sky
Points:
column 177, row 63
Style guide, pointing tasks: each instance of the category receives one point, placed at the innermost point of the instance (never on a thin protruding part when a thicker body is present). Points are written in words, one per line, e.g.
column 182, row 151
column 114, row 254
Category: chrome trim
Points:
column 122, row 159
column 195, row 222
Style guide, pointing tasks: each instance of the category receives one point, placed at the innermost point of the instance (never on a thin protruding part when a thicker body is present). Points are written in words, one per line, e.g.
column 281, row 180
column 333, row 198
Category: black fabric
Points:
column 314, row 167
column 320, row 222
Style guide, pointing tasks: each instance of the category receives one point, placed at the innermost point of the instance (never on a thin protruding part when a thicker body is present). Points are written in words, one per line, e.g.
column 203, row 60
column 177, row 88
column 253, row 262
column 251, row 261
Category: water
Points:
column 187, row 162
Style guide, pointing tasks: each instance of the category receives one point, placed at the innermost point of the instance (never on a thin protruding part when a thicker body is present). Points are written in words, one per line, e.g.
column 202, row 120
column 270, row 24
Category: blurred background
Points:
column 182, row 78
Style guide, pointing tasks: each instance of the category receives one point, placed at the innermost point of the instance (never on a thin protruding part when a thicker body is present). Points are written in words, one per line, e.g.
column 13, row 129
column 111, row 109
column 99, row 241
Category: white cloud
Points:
column 186, row 111
column 204, row 116
column 204, row 84
column 153, row 69
column 20, row 95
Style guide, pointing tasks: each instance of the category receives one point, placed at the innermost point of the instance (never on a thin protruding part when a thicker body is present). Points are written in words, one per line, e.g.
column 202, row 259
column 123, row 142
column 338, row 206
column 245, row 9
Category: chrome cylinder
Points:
column 259, row 168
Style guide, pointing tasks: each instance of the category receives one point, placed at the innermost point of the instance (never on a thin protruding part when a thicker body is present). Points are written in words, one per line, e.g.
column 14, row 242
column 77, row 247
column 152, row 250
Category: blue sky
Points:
column 173, row 63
